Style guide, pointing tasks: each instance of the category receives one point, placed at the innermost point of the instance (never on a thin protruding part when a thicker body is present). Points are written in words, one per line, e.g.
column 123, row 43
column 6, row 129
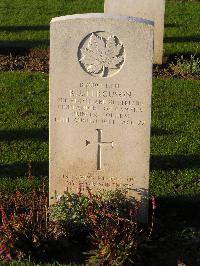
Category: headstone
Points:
column 148, row 9
column 100, row 104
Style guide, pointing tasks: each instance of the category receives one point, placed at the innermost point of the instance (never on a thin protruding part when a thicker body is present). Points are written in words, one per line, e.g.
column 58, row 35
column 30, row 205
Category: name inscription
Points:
column 95, row 103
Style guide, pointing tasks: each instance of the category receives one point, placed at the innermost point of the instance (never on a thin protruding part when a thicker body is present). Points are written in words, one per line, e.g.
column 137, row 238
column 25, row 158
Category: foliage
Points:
column 70, row 210
column 110, row 218
column 29, row 263
column 25, row 229
column 22, row 222
column 115, row 239
column 184, row 67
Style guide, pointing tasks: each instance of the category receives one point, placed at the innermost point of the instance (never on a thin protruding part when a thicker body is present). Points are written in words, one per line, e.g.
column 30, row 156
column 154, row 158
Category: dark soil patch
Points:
column 33, row 61
column 38, row 61
column 167, row 71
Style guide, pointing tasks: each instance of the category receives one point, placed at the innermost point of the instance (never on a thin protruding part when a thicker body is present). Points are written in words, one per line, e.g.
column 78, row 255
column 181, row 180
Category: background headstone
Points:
column 100, row 104
column 148, row 9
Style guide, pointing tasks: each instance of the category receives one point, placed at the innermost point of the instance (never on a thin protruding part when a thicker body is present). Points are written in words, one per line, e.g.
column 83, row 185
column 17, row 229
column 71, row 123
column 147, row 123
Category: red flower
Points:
column 131, row 214
column 153, row 199
column 79, row 189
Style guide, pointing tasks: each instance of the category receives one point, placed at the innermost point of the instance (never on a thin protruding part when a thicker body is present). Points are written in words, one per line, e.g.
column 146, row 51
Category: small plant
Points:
column 104, row 226
column 16, row 218
column 184, row 67
column 111, row 220
column 70, row 210
column 24, row 227
column 116, row 233
column 116, row 239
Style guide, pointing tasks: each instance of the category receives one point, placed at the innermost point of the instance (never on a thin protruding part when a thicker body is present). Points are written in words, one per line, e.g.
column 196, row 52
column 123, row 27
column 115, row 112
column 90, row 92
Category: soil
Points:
column 169, row 71
column 33, row 61
column 38, row 61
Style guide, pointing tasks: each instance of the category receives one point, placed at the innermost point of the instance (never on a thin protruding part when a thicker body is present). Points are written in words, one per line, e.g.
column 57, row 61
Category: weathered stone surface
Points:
column 100, row 104
column 148, row 9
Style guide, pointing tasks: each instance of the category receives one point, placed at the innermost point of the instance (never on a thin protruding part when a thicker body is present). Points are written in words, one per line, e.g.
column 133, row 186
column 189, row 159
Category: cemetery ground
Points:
column 175, row 173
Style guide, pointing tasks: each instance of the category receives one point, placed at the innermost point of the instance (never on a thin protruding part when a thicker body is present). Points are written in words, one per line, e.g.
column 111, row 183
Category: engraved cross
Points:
column 99, row 145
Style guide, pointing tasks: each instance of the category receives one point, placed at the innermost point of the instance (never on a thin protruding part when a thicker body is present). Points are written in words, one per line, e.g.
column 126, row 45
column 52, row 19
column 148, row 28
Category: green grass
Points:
column 23, row 124
column 175, row 143
column 175, row 138
column 182, row 31
column 25, row 23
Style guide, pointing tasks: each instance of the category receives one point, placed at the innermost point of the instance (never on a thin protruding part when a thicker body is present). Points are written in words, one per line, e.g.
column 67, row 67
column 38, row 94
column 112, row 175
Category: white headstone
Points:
column 100, row 104
column 148, row 9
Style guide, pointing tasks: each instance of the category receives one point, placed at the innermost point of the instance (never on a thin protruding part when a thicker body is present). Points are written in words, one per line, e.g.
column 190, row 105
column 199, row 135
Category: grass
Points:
column 175, row 138
column 174, row 142
column 174, row 153
column 182, row 33
column 23, row 125
column 25, row 23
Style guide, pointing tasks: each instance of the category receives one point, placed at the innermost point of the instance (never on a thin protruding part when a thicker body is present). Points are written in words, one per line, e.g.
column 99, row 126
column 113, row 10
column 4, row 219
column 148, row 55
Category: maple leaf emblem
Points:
column 102, row 54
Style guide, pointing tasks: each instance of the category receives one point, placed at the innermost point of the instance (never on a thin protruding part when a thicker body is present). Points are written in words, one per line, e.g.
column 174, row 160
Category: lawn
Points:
column 175, row 138
column 25, row 23
column 174, row 142
column 175, row 169
column 182, row 31
column 24, row 125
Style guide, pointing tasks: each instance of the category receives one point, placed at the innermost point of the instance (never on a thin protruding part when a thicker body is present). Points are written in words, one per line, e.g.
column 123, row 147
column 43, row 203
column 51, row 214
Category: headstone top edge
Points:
column 102, row 16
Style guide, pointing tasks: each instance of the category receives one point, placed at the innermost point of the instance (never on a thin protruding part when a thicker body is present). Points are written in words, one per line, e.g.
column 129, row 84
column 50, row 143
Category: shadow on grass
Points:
column 21, row 134
column 21, row 47
column 182, row 39
column 24, row 28
column 175, row 233
column 176, row 162
column 160, row 132
column 39, row 169
column 172, row 25
column 184, row 208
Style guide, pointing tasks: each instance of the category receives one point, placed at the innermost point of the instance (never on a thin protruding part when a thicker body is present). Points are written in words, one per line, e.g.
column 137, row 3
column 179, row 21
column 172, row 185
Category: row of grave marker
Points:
column 153, row 10
column 100, row 100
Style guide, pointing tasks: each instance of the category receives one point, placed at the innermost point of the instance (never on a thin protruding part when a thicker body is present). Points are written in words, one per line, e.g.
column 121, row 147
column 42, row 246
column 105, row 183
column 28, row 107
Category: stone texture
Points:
column 100, row 104
column 148, row 9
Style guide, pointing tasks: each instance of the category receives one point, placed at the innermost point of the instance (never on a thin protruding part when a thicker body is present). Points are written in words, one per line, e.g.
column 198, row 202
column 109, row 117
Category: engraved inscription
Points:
column 99, row 183
column 99, row 145
column 105, row 104
column 101, row 54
